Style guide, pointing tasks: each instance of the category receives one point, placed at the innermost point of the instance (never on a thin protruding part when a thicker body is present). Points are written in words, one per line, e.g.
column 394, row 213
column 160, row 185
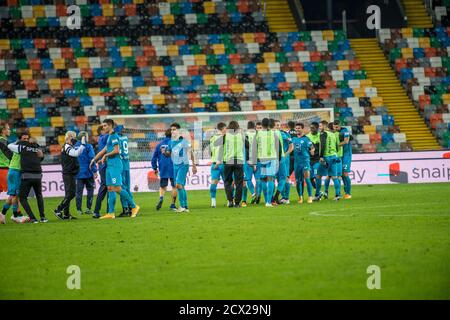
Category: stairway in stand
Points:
column 394, row 95
column 279, row 16
column 417, row 14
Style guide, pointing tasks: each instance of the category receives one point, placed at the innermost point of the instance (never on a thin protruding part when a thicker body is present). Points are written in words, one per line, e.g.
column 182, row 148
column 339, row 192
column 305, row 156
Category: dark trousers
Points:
column 312, row 177
column 69, row 193
column 238, row 171
column 102, row 191
column 25, row 186
column 89, row 184
column 291, row 165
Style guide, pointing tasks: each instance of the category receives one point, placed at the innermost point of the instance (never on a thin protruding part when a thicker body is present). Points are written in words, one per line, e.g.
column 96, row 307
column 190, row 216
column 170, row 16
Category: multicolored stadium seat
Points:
column 39, row 18
column 54, row 83
column 422, row 62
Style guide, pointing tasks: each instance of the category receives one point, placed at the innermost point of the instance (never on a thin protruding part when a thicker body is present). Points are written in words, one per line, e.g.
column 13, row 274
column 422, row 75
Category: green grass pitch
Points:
column 316, row 251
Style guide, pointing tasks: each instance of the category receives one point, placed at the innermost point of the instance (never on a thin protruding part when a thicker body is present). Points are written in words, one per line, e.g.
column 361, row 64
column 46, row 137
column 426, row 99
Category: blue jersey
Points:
column 101, row 145
column 179, row 151
column 114, row 161
column 160, row 161
column 302, row 147
column 84, row 159
column 124, row 156
column 292, row 133
column 347, row 148
column 287, row 140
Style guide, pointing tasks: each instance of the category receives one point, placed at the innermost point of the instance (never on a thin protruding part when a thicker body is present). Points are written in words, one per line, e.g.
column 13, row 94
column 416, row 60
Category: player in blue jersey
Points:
column 303, row 150
column 316, row 167
column 283, row 170
column 114, row 169
column 179, row 150
column 163, row 167
column 346, row 156
column 287, row 187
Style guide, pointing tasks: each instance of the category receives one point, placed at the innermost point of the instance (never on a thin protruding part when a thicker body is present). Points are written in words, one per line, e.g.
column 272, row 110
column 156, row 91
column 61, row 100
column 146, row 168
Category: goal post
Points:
column 150, row 128
column 145, row 131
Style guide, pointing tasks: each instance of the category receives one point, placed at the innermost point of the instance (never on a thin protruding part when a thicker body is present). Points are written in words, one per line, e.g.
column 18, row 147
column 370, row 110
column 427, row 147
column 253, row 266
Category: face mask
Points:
column 73, row 140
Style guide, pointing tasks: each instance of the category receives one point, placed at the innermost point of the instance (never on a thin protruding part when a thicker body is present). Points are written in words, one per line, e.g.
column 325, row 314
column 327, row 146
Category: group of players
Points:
column 260, row 160
column 117, row 172
column 277, row 150
column 20, row 170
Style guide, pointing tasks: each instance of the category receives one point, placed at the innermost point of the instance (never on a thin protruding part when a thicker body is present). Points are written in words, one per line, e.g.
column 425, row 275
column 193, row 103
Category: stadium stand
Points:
column 420, row 59
column 440, row 11
column 394, row 95
column 53, row 83
column 119, row 18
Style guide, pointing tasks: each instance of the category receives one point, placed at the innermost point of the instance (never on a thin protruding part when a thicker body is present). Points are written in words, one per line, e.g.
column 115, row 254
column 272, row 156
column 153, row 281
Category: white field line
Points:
column 329, row 213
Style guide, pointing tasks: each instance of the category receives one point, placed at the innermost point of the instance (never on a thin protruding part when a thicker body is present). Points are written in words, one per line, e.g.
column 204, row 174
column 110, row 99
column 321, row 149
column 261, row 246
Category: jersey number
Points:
column 125, row 147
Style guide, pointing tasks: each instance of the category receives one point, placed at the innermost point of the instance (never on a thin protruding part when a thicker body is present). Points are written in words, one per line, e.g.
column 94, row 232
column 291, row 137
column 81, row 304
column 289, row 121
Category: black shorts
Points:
column 164, row 182
column 291, row 164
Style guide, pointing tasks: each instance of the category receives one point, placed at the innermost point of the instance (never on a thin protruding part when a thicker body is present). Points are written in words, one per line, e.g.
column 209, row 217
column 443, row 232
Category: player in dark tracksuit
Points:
column 314, row 136
column 287, row 186
column 163, row 167
column 102, row 190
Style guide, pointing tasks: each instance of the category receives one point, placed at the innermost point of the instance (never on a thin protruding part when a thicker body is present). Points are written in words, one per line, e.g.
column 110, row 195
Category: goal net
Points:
column 145, row 131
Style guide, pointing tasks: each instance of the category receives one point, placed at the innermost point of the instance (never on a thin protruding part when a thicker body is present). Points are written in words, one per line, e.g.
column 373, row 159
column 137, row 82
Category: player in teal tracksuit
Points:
column 179, row 150
column 114, row 170
column 290, row 129
column 126, row 180
column 303, row 149
column 346, row 156
column 113, row 161
column 249, row 171
column 283, row 171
